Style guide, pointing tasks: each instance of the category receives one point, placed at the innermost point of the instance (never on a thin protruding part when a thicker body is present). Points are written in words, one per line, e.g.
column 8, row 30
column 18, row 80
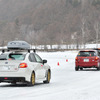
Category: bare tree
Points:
column 83, row 32
column 23, row 31
column 96, row 27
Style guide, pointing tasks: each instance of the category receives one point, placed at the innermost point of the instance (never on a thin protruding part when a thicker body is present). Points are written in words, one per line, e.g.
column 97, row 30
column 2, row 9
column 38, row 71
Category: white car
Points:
column 22, row 66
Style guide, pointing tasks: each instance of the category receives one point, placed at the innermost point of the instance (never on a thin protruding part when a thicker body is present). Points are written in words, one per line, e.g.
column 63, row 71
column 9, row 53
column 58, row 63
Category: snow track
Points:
column 66, row 83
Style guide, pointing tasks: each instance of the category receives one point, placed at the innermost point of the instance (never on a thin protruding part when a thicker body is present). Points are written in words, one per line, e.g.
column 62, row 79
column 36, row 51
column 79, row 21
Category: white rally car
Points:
column 22, row 66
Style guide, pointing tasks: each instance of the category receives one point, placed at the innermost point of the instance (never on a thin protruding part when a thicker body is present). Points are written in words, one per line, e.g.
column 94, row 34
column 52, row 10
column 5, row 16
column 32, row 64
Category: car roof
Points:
column 87, row 50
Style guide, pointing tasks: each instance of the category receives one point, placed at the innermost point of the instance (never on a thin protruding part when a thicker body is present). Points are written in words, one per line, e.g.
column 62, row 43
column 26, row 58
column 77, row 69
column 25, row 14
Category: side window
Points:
column 38, row 59
column 32, row 58
column 98, row 53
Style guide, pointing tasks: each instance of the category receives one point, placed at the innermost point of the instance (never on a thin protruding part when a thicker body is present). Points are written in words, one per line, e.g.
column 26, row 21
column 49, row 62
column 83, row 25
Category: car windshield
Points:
column 86, row 53
column 17, row 56
column 12, row 56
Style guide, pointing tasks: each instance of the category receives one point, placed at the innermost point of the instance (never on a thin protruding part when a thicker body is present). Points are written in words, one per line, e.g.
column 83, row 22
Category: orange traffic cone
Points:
column 58, row 64
column 66, row 60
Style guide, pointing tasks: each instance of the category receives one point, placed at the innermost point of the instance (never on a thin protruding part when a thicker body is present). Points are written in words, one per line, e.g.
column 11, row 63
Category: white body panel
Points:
column 40, row 69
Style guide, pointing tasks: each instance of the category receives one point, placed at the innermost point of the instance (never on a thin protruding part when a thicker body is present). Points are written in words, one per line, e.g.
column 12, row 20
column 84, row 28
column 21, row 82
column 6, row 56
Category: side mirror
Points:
column 44, row 61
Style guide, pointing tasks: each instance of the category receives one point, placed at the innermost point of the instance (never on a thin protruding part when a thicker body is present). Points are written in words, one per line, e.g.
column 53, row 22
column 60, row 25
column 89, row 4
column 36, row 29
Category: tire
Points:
column 81, row 68
column 76, row 68
column 32, row 83
column 98, row 68
column 48, row 77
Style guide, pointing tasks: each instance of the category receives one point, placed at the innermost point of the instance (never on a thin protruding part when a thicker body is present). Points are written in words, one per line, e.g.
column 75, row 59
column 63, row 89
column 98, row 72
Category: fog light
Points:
column 5, row 78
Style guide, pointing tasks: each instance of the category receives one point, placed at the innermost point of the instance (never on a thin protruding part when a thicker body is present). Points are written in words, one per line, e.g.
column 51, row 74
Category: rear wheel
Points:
column 48, row 77
column 76, row 68
column 81, row 68
column 98, row 68
column 32, row 79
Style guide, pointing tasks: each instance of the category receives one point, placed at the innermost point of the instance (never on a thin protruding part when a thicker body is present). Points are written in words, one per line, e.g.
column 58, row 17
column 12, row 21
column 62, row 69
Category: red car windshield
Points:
column 86, row 53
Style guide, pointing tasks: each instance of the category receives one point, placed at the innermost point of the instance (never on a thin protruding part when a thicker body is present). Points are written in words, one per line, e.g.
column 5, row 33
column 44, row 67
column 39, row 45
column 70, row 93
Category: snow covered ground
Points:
column 66, row 83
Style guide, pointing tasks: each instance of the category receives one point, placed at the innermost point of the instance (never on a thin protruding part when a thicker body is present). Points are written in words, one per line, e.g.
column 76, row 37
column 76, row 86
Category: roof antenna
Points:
column 3, row 51
column 8, row 50
column 28, row 51
column 34, row 50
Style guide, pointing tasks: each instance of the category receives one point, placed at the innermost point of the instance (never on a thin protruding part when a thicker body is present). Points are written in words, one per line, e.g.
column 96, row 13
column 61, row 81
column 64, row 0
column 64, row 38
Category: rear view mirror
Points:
column 44, row 61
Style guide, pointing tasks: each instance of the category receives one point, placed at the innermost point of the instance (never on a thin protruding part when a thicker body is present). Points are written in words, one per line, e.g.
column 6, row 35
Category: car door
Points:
column 41, row 69
column 34, row 65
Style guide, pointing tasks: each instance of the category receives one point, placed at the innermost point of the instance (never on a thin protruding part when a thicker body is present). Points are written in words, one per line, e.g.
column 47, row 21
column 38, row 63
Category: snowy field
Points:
column 66, row 83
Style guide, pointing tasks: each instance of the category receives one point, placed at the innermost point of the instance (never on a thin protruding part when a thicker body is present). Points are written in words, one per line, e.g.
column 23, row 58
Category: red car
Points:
column 87, row 59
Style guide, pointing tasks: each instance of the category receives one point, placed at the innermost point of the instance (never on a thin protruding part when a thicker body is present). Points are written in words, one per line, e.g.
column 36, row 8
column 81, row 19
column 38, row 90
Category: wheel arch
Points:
column 33, row 72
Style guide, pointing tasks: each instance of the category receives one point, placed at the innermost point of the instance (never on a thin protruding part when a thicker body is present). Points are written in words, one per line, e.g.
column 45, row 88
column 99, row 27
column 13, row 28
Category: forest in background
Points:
column 49, row 22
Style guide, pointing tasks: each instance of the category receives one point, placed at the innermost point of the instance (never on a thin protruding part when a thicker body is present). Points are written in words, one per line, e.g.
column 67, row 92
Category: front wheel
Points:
column 48, row 77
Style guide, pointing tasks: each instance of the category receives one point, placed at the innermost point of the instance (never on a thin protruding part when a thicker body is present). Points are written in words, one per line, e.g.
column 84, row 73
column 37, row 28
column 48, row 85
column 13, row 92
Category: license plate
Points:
column 8, row 68
column 86, row 60
column 5, row 68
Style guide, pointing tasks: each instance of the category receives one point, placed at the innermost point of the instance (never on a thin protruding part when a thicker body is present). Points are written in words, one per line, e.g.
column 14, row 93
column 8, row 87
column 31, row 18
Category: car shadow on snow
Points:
column 20, row 85
column 89, row 70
